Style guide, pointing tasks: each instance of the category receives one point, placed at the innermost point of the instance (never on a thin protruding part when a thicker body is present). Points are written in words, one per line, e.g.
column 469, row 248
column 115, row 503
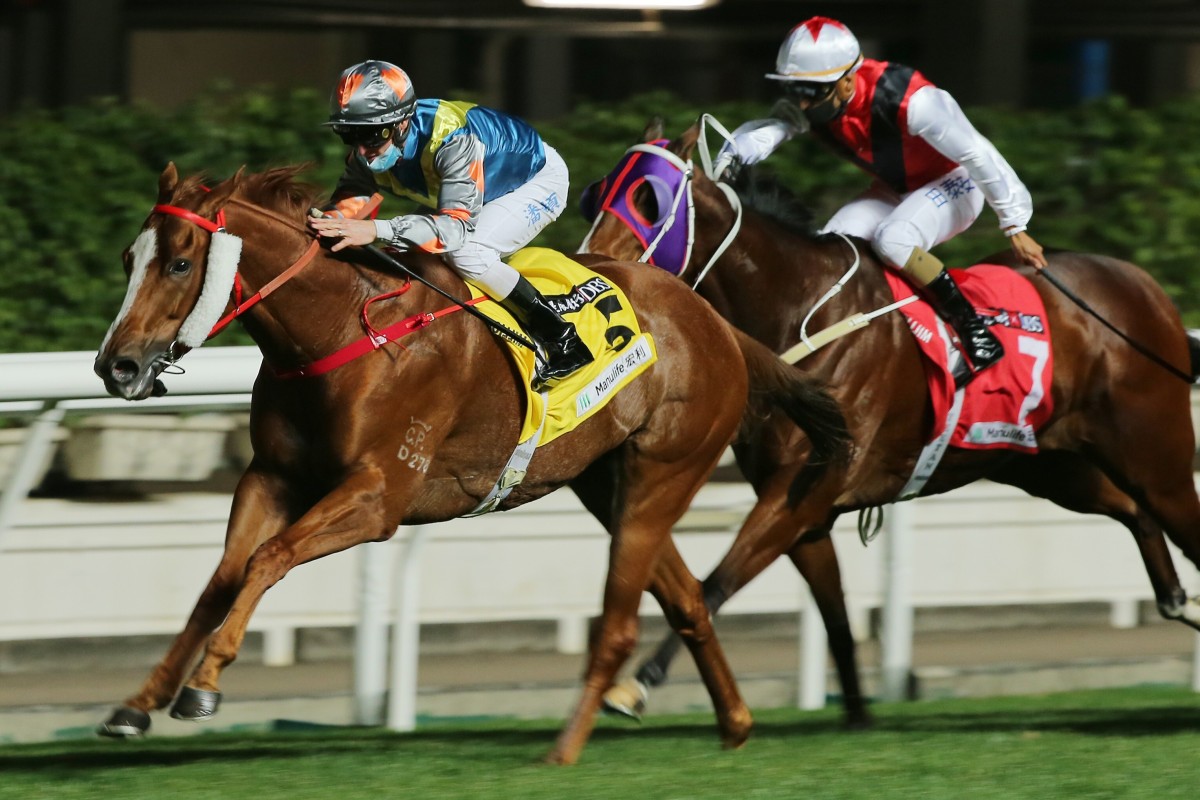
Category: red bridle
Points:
column 374, row 339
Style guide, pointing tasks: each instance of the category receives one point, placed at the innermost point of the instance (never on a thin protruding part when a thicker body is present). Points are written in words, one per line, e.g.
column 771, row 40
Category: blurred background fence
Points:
column 122, row 561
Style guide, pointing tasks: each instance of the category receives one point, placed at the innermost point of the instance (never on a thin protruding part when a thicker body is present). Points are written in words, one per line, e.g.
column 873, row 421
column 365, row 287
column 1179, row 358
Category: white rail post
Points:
column 896, row 645
column 371, row 634
column 1196, row 666
column 814, row 643
column 38, row 440
column 406, row 638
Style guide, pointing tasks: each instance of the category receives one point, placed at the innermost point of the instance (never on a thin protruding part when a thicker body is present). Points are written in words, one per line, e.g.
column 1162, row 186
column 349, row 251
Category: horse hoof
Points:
column 737, row 730
column 627, row 699
column 125, row 723
column 859, row 723
column 558, row 758
column 195, row 704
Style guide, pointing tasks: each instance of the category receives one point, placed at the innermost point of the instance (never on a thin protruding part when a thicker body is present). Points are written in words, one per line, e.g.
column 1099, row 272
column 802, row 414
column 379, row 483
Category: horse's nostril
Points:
column 124, row 370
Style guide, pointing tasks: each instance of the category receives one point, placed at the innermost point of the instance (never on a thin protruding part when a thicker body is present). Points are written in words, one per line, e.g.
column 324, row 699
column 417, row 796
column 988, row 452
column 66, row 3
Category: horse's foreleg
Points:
column 258, row 513
column 350, row 514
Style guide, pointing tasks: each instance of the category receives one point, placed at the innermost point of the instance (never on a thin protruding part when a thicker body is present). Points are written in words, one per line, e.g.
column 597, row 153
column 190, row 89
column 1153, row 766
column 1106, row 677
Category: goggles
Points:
column 811, row 91
column 364, row 135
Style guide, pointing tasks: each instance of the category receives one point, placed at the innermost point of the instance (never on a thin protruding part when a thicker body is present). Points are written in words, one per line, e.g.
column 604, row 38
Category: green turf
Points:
column 1130, row 743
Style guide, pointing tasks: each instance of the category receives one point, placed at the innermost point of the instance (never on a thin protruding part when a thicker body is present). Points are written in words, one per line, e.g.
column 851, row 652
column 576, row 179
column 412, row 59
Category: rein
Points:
column 1136, row 345
column 374, row 339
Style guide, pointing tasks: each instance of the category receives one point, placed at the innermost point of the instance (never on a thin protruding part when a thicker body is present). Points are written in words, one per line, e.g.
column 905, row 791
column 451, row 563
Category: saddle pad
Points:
column 1006, row 404
column 605, row 321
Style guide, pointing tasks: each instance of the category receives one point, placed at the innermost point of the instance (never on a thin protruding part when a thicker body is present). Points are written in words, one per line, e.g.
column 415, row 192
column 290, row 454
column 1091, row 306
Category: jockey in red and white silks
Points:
column 933, row 170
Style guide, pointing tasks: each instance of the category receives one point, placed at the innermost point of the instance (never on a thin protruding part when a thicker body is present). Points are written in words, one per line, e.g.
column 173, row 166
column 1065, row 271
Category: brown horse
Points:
column 1119, row 443
column 326, row 474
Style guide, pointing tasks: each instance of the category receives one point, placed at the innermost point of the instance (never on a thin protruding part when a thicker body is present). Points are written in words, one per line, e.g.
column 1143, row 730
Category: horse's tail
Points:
column 1194, row 352
column 774, row 382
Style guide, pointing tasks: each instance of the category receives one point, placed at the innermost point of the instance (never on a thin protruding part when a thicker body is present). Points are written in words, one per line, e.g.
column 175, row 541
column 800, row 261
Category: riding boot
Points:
column 982, row 347
column 564, row 351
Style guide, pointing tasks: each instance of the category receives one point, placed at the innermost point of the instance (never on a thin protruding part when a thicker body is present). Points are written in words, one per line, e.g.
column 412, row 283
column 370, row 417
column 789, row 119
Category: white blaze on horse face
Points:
column 144, row 248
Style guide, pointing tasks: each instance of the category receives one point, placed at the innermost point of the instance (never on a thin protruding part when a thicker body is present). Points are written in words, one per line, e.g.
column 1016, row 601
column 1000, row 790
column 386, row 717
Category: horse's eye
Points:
column 179, row 266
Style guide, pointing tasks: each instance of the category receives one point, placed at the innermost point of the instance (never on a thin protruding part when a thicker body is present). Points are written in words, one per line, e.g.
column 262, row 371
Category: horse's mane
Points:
column 766, row 194
column 280, row 190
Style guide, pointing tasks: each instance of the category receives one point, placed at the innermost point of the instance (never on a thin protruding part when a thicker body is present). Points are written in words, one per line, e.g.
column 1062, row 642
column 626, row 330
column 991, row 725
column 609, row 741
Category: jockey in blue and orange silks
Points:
column 933, row 170
column 489, row 180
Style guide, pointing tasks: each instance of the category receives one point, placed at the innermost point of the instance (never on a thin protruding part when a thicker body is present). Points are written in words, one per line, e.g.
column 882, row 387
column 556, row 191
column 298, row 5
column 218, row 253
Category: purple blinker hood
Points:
column 668, row 238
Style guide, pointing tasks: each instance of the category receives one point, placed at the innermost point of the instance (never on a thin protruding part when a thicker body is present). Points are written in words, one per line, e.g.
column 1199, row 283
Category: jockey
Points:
column 932, row 169
column 490, row 181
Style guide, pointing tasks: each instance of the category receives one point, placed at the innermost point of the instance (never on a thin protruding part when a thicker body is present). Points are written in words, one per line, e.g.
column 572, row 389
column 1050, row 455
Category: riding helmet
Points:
column 372, row 93
column 818, row 50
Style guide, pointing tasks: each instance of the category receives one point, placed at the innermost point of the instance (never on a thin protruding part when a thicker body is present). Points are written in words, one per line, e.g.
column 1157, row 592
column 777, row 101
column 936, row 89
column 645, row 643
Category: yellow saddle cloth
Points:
column 605, row 321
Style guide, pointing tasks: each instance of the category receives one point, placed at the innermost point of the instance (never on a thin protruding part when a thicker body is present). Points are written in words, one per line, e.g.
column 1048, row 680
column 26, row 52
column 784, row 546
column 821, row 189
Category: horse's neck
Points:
column 318, row 310
column 769, row 277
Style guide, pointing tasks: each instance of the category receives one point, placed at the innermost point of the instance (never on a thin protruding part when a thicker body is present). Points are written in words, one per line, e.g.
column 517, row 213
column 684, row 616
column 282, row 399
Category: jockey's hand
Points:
column 347, row 232
column 1027, row 249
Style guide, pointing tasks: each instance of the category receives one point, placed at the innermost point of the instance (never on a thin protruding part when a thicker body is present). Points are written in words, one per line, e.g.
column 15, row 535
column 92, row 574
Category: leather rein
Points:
column 374, row 338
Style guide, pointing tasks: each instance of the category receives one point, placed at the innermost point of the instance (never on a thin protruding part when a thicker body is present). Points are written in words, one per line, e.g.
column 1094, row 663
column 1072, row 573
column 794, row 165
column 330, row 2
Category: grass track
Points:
column 1133, row 743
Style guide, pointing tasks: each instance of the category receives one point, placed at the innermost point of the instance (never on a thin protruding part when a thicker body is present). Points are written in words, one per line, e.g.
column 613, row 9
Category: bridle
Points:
column 637, row 168
column 374, row 338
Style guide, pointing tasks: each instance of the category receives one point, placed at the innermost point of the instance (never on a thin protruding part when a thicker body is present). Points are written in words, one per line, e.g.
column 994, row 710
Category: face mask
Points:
column 385, row 160
column 826, row 112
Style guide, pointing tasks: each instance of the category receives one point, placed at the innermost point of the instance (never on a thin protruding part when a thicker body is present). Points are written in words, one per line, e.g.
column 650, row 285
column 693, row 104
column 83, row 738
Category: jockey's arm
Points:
column 753, row 141
column 353, row 189
column 459, row 162
column 936, row 117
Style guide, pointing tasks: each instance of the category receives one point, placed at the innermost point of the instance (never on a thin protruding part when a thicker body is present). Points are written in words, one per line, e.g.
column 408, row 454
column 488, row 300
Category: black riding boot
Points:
column 982, row 346
column 565, row 352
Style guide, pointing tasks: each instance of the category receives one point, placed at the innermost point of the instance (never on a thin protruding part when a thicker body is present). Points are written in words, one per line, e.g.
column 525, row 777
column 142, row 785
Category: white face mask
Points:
column 385, row 160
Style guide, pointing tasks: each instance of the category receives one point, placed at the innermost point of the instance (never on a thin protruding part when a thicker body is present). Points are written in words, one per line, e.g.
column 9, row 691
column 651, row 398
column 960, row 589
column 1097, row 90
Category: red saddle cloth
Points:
column 1005, row 405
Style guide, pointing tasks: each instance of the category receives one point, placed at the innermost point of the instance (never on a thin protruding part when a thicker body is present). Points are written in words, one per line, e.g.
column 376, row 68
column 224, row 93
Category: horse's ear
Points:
column 686, row 143
column 221, row 193
column 167, row 182
column 654, row 129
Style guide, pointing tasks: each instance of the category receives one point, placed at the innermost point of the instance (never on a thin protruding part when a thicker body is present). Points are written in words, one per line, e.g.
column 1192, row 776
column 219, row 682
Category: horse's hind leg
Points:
column 258, row 513
column 651, row 501
column 1071, row 482
column 816, row 560
column 350, row 514
column 770, row 530
column 1146, row 447
column 682, row 601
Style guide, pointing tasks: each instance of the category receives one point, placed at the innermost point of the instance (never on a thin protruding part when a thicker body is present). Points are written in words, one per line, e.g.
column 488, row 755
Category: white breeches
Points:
column 507, row 224
column 895, row 224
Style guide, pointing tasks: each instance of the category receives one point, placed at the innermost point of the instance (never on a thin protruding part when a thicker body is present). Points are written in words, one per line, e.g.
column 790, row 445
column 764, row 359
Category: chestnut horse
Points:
column 325, row 474
column 1119, row 443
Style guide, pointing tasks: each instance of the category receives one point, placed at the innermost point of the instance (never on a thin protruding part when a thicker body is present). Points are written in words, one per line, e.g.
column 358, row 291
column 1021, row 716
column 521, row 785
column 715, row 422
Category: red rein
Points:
column 374, row 339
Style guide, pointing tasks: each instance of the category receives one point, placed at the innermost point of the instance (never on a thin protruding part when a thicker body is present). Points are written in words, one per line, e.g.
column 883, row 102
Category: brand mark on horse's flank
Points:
column 579, row 296
column 414, row 441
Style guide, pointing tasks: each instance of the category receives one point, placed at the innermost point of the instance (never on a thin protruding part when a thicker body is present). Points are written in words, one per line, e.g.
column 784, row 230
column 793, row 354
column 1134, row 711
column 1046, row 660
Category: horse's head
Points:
column 181, row 268
column 646, row 208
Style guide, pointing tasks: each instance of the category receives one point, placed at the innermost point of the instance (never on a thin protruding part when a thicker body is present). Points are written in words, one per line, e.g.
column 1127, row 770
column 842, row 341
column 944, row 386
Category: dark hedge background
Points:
column 76, row 185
